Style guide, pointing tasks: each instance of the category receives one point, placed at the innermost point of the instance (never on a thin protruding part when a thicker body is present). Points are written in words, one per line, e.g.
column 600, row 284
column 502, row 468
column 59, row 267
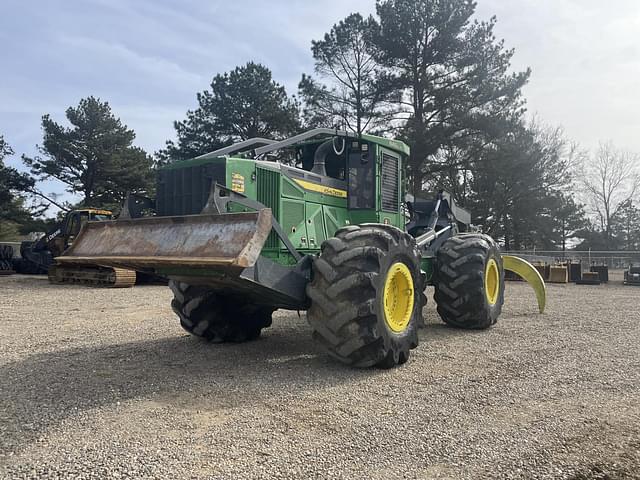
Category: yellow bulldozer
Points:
column 40, row 256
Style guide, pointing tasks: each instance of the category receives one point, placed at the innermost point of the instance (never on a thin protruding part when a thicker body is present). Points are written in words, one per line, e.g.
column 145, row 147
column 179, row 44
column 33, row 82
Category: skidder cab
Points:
column 319, row 222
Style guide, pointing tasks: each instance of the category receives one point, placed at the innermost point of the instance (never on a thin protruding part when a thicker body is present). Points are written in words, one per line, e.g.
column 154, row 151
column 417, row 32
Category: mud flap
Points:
column 530, row 274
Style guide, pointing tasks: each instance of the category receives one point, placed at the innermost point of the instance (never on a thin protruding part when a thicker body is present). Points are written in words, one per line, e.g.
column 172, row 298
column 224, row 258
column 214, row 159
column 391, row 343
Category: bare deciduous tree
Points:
column 610, row 179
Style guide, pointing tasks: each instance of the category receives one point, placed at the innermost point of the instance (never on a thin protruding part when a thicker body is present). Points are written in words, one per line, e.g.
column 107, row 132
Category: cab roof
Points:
column 264, row 145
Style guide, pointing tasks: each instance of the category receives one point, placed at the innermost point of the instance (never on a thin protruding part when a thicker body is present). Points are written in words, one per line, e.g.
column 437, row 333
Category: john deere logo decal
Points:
column 316, row 187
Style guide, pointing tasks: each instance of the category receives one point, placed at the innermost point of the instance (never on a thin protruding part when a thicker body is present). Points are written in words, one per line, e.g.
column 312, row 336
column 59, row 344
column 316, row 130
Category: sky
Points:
column 148, row 58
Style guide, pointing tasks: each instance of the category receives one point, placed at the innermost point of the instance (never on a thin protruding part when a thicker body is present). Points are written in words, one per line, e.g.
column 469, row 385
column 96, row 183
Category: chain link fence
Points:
column 613, row 259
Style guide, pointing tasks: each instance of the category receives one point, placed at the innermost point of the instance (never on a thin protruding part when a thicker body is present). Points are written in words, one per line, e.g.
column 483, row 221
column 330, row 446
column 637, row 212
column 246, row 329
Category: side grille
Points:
column 268, row 193
column 184, row 191
column 389, row 183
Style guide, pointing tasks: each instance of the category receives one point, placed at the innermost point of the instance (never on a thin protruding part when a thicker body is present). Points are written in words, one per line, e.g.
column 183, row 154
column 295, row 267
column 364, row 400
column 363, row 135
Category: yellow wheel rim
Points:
column 398, row 297
column 492, row 282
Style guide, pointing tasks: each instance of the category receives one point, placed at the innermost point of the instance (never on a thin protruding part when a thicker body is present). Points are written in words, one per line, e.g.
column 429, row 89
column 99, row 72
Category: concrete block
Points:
column 558, row 275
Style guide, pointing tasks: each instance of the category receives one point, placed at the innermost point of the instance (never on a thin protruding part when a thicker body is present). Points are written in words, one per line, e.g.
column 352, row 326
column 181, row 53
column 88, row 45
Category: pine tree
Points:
column 243, row 103
column 518, row 189
column 95, row 157
column 453, row 75
column 357, row 91
column 626, row 226
column 13, row 212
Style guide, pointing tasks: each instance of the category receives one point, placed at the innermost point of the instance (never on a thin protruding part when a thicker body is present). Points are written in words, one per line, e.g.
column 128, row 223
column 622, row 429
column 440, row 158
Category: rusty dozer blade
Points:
column 222, row 241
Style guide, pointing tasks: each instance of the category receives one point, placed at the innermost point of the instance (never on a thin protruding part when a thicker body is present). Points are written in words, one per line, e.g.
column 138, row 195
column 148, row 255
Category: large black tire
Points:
column 347, row 312
column 217, row 318
column 464, row 299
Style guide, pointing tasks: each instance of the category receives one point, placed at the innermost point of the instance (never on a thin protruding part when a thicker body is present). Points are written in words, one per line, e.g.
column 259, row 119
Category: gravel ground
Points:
column 98, row 383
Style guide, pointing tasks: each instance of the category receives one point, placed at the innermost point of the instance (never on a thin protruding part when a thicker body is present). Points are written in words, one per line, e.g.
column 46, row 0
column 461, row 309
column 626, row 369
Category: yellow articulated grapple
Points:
column 320, row 222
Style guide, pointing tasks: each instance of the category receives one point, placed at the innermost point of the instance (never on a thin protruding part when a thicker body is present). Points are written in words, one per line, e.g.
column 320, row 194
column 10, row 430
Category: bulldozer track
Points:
column 93, row 276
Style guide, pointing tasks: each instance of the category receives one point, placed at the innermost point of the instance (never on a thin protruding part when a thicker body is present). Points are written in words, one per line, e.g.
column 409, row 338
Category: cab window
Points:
column 362, row 188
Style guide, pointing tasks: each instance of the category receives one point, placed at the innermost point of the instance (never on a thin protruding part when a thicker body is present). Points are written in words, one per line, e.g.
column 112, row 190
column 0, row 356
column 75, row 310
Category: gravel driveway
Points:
column 98, row 383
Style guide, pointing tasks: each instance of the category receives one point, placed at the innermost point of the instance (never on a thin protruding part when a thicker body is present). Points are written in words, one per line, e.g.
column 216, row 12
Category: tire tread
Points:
column 343, row 292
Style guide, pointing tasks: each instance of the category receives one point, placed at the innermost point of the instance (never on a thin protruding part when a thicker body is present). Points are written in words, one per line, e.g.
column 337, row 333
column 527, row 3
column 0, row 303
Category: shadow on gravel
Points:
column 443, row 331
column 44, row 389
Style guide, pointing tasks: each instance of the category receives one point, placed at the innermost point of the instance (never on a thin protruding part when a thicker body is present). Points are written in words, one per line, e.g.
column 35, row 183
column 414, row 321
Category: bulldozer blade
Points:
column 229, row 241
column 530, row 274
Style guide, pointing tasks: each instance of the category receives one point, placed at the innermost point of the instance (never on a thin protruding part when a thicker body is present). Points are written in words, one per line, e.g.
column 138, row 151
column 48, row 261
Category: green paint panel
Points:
column 316, row 233
column 293, row 222
column 290, row 189
column 395, row 145
column 334, row 219
column 315, row 197
column 356, row 217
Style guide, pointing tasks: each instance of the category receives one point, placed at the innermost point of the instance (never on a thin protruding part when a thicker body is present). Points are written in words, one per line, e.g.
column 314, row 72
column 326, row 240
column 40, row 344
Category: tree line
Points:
column 424, row 71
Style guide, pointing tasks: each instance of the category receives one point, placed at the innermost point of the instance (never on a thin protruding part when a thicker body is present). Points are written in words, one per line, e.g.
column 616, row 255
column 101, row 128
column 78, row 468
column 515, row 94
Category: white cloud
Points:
column 585, row 62
column 130, row 64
